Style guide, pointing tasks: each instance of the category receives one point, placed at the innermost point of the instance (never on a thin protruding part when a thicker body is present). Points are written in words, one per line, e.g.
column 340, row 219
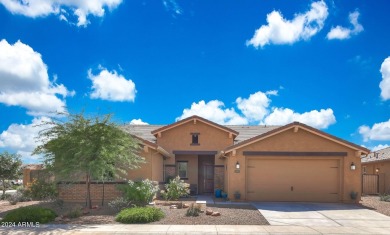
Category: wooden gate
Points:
column 370, row 184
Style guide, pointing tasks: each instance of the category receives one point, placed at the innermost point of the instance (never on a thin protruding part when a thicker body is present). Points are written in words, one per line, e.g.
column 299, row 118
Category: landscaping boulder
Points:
column 185, row 205
column 209, row 212
column 173, row 207
column 216, row 213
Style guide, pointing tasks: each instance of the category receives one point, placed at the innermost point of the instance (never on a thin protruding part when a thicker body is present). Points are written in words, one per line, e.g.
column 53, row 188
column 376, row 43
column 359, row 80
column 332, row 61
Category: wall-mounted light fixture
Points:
column 237, row 165
column 353, row 167
column 377, row 170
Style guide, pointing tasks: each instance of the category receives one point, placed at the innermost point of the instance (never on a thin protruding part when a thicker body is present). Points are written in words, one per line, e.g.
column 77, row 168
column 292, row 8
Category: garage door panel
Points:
column 293, row 180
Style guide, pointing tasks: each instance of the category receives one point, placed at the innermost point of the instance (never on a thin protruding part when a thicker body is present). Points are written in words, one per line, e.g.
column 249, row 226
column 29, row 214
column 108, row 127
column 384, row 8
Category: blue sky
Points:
column 323, row 63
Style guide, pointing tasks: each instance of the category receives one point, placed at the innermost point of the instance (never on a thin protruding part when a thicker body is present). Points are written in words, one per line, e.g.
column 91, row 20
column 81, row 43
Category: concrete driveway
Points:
column 321, row 215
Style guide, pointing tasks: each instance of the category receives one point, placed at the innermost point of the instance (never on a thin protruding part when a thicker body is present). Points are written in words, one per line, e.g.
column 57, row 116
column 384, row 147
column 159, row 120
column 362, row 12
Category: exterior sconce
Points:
column 353, row 167
column 377, row 170
column 237, row 165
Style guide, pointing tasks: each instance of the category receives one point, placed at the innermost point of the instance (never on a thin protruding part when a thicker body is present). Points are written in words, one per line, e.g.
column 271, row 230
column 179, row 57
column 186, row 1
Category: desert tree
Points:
column 87, row 147
column 10, row 165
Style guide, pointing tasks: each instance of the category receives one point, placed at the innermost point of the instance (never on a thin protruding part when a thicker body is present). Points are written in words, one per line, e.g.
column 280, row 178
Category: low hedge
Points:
column 139, row 215
column 30, row 214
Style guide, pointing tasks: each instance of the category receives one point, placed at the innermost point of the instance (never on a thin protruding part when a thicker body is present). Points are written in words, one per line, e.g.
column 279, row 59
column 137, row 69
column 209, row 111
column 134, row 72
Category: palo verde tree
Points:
column 87, row 147
column 9, row 167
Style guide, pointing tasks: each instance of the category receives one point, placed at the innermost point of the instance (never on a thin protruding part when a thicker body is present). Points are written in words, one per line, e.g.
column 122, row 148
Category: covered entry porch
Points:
column 197, row 168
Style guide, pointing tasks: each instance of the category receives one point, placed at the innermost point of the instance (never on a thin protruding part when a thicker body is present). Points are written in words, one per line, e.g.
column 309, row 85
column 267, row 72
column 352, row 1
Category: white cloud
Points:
column 379, row 131
column 22, row 138
column 385, row 83
column 319, row 119
column 173, row 7
column 80, row 8
column 283, row 31
column 255, row 110
column 214, row 111
column 341, row 33
column 111, row 86
column 138, row 122
column 379, row 147
column 256, row 106
column 24, row 81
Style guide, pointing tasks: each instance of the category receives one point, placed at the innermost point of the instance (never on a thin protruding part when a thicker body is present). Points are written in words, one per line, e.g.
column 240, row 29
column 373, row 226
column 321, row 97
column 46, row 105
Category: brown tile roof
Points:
column 190, row 119
column 291, row 125
column 379, row 155
column 244, row 132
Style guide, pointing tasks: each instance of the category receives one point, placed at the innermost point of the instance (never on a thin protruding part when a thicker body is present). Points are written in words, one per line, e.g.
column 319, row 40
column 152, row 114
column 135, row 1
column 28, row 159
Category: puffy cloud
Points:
column 24, row 81
column 379, row 147
column 173, row 7
column 341, row 33
column 283, row 31
column 109, row 85
column 255, row 110
column 214, row 111
column 379, row 131
column 256, row 106
column 79, row 8
column 319, row 119
column 385, row 83
column 22, row 138
column 138, row 122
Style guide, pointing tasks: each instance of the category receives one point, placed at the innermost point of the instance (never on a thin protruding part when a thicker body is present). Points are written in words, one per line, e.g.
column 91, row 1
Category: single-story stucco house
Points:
column 294, row 162
column 376, row 172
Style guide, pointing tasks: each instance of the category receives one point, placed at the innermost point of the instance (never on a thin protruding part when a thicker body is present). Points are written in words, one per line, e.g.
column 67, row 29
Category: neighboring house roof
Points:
column 379, row 155
column 33, row 166
column 194, row 118
column 296, row 125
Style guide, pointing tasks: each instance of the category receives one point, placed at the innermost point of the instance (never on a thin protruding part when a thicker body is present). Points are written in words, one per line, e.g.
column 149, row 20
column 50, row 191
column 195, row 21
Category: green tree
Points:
column 89, row 147
column 9, row 167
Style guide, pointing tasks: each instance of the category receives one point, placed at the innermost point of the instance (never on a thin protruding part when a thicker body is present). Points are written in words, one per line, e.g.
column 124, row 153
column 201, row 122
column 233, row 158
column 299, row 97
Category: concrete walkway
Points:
column 193, row 229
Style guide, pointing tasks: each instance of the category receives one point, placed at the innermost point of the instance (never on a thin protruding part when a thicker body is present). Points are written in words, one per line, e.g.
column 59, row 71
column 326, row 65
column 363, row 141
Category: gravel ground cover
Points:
column 230, row 214
column 373, row 202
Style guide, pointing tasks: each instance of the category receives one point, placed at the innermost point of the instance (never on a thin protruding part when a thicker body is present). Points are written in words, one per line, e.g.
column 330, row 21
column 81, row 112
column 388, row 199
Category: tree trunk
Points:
column 103, row 194
column 89, row 202
column 3, row 180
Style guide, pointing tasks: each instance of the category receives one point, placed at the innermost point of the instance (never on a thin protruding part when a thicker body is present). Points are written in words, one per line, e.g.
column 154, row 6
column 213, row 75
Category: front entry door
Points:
column 206, row 174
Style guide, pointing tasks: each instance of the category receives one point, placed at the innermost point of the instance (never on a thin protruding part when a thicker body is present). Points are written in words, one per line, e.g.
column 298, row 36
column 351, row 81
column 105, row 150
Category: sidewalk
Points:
column 192, row 229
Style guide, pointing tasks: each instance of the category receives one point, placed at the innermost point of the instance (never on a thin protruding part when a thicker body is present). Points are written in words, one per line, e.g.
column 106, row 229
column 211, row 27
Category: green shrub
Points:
column 40, row 190
column 5, row 196
column 175, row 189
column 385, row 197
column 30, row 214
column 139, row 215
column 74, row 213
column 141, row 192
column 193, row 210
column 119, row 204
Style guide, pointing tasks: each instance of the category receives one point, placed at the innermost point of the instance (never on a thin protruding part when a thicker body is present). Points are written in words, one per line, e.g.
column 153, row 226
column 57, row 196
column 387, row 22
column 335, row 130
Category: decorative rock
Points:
column 66, row 219
column 95, row 207
column 57, row 219
column 185, row 205
column 173, row 207
column 209, row 212
column 216, row 213
column 85, row 211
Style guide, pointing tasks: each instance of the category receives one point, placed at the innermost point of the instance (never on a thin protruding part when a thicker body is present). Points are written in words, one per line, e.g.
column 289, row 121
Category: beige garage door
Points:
column 293, row 180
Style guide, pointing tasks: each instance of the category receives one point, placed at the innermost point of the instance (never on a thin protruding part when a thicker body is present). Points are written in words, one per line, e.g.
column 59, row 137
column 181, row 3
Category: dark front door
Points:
column 206, row 174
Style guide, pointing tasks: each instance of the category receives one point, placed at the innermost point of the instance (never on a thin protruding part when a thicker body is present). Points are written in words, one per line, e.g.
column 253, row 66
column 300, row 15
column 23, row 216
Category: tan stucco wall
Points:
column 301, row 141
column 384, row 174
column 152, row 168
column 180, row 138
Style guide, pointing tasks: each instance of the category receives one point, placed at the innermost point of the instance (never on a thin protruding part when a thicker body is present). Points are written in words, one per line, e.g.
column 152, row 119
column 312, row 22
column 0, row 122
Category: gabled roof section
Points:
column 195, row 119
column 296, row 126
column 376, row 156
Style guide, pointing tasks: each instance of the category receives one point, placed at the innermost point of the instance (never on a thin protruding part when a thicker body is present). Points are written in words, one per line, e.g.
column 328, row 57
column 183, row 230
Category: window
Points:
column 182, row 168
column 195, row 138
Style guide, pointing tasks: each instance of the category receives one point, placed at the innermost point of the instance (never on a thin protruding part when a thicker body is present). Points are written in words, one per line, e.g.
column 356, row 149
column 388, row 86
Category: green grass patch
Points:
column 30, row 214
column 139, row 215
